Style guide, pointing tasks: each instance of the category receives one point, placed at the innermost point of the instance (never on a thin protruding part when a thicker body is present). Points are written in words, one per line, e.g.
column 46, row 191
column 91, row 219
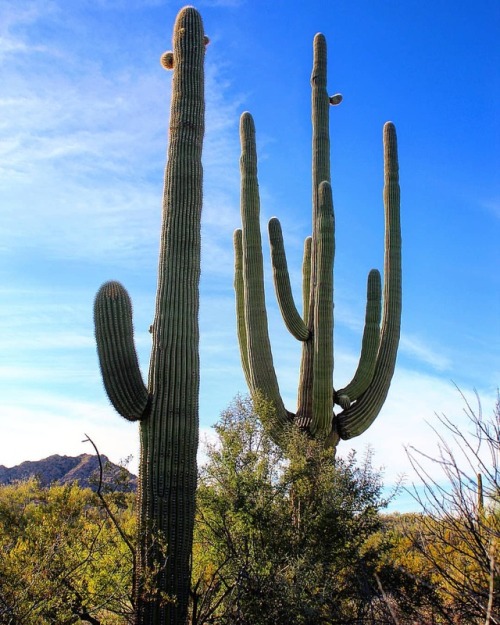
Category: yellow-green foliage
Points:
column 459, row 560
column 61, row 558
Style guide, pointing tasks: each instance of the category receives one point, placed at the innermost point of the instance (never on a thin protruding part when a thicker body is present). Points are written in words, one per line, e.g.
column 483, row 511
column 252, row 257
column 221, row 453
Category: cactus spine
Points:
column 167, row 408
column 361, row 400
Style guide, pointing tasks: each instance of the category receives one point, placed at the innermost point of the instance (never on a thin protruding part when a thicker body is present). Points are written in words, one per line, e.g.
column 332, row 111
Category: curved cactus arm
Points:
column 117, row 356
column 260, row 361
column 357, row 418
column 240, row 303
column 321, row 424
column 291, row 316
column 306, row 278
column 370, row 343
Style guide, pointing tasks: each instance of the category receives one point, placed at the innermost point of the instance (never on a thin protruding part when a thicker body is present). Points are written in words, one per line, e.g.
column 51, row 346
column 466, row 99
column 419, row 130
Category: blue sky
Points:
column 83, row 130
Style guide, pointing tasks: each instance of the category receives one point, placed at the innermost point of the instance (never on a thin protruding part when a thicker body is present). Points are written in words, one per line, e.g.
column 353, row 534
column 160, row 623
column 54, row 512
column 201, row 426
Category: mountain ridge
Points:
column 83, row 469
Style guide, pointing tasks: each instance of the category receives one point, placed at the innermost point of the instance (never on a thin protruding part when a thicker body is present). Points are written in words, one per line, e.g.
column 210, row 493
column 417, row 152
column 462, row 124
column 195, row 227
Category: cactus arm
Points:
column 370, row 343
column 240, row 302
column 291, row 317
column 321, row 424
column 304, row 398
column 358, row 417
column 260, row 361
column 306, row 278
column 117, row 355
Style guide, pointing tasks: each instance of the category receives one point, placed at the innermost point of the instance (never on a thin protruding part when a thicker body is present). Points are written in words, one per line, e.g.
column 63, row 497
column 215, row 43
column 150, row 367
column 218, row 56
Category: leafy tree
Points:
column 295, row 538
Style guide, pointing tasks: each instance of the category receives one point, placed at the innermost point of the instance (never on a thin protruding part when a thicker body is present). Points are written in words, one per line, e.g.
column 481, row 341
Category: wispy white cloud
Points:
column 43, row 341
column 419, row 350
column 82, row 157
column 49, row 425
column 97, row 118
column 15, row 18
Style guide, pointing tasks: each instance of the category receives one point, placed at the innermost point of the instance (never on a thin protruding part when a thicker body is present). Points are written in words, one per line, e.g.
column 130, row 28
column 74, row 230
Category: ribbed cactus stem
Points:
column 168, row 408
column 369, row 346
column 239, row 290
column 291, row 316
column 356, row 419
column 172, row 432
column 320, row 102
column 260, row 360
column 306, row 279
column 323, row 320
column 116, row 350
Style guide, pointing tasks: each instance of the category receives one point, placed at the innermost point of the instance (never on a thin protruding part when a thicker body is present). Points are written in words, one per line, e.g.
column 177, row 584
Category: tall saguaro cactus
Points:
column 167, row 408
column 361, row 400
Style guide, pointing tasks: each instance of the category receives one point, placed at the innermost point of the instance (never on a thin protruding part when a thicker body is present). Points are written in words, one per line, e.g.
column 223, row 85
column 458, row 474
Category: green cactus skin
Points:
column 260, row 366
column 370, row 344
column 355, row 419
column 291, row 316
column 361, row 400
column 168, row 408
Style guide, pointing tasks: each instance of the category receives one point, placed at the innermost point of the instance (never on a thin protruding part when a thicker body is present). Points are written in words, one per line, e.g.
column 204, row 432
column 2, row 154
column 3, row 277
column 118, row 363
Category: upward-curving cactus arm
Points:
column 357, row 418
column 306, row 279
column 117, row 356
column 291, row 316
column 260, row 361
column 239, row 290
column 369, row 346
column 321, row 423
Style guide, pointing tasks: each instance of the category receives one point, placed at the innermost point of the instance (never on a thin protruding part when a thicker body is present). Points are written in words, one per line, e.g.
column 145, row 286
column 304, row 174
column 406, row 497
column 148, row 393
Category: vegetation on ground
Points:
column 299, row 538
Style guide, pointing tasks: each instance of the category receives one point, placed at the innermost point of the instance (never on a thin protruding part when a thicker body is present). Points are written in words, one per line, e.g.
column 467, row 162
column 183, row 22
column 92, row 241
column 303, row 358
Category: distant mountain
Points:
column 66, row 469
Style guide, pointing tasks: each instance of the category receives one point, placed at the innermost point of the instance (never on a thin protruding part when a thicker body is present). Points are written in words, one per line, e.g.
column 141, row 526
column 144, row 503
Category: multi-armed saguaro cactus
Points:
column 362, row 399
column 167, row 408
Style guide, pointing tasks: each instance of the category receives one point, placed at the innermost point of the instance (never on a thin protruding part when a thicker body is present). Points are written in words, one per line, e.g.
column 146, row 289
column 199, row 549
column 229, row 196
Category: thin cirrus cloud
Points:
column 79, row 152
column 416, row 348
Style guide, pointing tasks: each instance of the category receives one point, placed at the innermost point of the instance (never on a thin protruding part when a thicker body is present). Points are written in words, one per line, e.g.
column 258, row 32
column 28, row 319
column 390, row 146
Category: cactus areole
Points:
column 167, row 407
column 361, row 400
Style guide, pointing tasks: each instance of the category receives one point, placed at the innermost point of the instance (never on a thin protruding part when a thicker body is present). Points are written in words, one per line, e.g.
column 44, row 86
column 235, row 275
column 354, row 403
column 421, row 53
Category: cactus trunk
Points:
column 168, row 407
